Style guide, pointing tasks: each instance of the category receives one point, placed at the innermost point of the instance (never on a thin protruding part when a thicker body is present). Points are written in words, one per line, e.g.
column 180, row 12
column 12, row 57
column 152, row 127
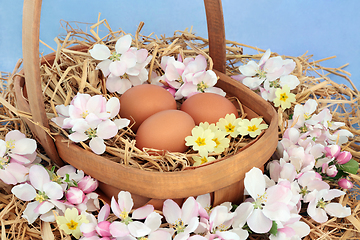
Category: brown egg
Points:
column 165, row 130
column 208, row 107
column 140, row 102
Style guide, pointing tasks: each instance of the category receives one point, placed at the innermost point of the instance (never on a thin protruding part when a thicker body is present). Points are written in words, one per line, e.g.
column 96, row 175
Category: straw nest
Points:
column 75, row 71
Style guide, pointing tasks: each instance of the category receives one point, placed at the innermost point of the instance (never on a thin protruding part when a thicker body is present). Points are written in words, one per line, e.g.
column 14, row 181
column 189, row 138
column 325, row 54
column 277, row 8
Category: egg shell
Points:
column 165, row 130
column 141, row 101
column 208, row 107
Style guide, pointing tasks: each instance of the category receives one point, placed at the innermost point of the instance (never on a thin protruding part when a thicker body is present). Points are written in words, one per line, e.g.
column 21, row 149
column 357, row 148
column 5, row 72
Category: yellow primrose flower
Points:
column 220, row 136
column 201, row 140
column 252, row 127
column 71, row 222
column 201, row 160
column 229, row 124
column 284, row 97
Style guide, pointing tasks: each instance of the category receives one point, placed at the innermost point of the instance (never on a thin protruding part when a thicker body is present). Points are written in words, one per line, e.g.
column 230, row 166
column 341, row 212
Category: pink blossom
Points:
column 75, row 195
column 331, row 171
column 346, row 184
column 332, row 151
column 320, row 206
column 267, row 205
column 88, row 184
column 185, row 219
column 343, row 157
column 45, row 193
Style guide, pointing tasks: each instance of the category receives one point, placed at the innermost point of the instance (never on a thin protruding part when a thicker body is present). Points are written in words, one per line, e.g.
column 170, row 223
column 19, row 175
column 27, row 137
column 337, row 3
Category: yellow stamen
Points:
column 10, row 144
column 72, row 225
column 204, row 160
column 229, row 128
column 200, row 141
column 252, row 128
column 284, row 97
column 216, row 141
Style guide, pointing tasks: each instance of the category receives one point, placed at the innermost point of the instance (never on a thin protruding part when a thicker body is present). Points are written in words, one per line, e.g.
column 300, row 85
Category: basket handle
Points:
column 31, row 62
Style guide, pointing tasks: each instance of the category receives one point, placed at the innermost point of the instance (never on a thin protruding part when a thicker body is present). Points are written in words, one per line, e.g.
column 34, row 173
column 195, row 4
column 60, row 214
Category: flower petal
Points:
column 53, row 190
column 117, row 68
column 143, row 212
column 38, row 176
column 24, row 146
column 106, row 129
column 100, row 52
column 97, row 145
column 29, row 212
column 337, row 210
column 123, row 44
column 171, row 211
column 25, row 192
column 138, row 229
column 254, row 182
column 118, row 229
column 189, row 209
column 258, row 222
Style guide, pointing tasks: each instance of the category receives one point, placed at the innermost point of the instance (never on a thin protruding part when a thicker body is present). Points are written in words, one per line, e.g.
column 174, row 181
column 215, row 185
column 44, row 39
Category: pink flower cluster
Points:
column 17, row 153
column 269, row 74
column 125, row 67
column 89, row 117
column 48, row 191
column 188, row 77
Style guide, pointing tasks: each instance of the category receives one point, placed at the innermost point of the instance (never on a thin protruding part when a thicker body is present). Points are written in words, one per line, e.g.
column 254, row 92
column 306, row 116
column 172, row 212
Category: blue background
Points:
column 324, row 28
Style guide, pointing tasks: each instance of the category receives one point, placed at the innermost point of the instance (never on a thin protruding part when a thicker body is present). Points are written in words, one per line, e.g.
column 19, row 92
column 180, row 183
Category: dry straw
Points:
column 75, row 70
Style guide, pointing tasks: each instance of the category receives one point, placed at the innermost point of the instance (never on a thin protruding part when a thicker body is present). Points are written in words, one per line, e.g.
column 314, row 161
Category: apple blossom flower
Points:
column 71, row 222
column 302, row 113
column 117, row 62
column 16, row 153
column 267, row 205
column 19, row 148
column 252, row 127
column 150, row 229
column 201, row 140
column 92, row 228
column 284, row 97
column 344, row 183
column 229, row 124
column 203, row 81
column 121, row 209
column 267, row 70
column 96, row 131
column 319, row 206
column 45, row 193
column 309, row 183
column 184, row 220
column 89, row 108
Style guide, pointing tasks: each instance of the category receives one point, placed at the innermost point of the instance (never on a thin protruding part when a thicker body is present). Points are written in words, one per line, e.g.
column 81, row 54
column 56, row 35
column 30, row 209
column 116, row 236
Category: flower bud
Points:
column 331, row 171
column 75, row 195
column 103, row 229
column 88, row 184
column 332, row 151
column 343, row 157
column 344, row 183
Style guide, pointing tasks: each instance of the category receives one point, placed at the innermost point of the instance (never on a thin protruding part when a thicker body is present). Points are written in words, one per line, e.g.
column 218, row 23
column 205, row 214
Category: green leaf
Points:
column 274, row 229
column 350, row 167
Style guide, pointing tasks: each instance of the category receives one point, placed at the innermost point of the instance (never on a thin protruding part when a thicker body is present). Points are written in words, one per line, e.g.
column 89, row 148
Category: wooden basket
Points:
column 223, row 179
